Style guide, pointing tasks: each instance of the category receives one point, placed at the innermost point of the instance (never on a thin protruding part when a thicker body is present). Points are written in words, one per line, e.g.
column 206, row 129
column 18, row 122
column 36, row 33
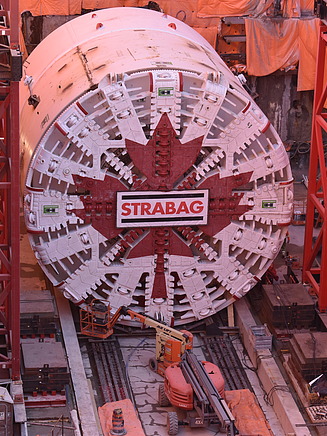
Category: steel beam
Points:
column 315, row 249
column 9, row 190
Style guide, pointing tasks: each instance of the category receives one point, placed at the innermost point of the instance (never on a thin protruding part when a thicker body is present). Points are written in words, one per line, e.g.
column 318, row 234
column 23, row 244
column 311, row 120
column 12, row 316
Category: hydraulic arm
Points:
column 208, row 402
column 171, row 344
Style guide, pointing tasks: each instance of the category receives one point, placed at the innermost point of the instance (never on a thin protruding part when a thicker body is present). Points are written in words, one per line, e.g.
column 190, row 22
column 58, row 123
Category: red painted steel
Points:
column 162, row 162
column 315, row 249
column 164, row 158
column 10, row 73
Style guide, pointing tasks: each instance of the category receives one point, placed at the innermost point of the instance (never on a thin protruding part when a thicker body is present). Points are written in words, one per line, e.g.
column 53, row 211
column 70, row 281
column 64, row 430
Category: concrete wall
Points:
column 289, row 111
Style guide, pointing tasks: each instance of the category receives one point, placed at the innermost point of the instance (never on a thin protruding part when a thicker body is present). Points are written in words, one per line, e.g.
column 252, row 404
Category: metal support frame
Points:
column 315, row 249
column 10, row 74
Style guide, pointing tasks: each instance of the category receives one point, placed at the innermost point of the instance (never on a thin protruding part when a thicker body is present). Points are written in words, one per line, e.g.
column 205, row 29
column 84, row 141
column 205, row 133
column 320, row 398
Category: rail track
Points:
column 221, row 351
column 112, row 383
column 109, row 372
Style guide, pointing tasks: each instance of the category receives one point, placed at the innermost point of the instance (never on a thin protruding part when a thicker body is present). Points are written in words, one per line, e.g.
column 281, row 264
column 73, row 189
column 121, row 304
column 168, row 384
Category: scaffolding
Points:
column 315, row 247
column 10, row 75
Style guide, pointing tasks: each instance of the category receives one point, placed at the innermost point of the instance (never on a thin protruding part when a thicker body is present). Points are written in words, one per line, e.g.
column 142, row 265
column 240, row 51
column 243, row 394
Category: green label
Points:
column 51, row 210
column 165, row 92
column 269, row 204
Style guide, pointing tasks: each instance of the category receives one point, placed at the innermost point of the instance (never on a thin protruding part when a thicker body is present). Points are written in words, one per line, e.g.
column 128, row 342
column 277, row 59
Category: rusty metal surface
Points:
column 308, row 353
column 284, row 306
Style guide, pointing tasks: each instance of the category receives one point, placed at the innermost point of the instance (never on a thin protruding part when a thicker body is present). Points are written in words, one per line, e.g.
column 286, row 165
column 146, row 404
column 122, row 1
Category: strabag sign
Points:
column 155, row 208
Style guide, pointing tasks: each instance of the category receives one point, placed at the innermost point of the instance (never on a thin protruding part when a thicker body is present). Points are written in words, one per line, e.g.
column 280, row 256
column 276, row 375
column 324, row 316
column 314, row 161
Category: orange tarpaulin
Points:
column 308, row 42
column 101, row 4
column 229, row 8
column 187, row 11
column 184, row 9
column 273, row 45
column 291, row 8
column 295, row 8
column 209, row 33
column 307, row 5
column 50, row 7
column 249, row 418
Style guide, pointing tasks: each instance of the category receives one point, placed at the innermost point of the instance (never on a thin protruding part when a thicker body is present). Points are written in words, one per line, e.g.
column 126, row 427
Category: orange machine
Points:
column 171, row 344
column 193, row 386
column 198, row 389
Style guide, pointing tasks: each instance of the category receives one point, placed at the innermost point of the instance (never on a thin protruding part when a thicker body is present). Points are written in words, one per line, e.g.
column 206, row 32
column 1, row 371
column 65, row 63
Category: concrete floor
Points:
column 136, row 353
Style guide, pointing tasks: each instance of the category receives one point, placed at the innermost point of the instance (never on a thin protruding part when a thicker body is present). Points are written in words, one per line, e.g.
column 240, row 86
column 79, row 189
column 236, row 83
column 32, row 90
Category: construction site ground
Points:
column 81, row 395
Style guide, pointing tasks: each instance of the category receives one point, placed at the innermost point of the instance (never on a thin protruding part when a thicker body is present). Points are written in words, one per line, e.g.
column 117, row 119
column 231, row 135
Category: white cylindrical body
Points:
column 152, row 179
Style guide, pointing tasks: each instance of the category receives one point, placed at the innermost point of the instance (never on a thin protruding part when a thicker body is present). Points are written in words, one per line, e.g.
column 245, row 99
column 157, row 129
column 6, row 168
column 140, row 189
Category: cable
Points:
column 299, row 148
column 244, row 356
column 268, row 396
column 304, row 148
